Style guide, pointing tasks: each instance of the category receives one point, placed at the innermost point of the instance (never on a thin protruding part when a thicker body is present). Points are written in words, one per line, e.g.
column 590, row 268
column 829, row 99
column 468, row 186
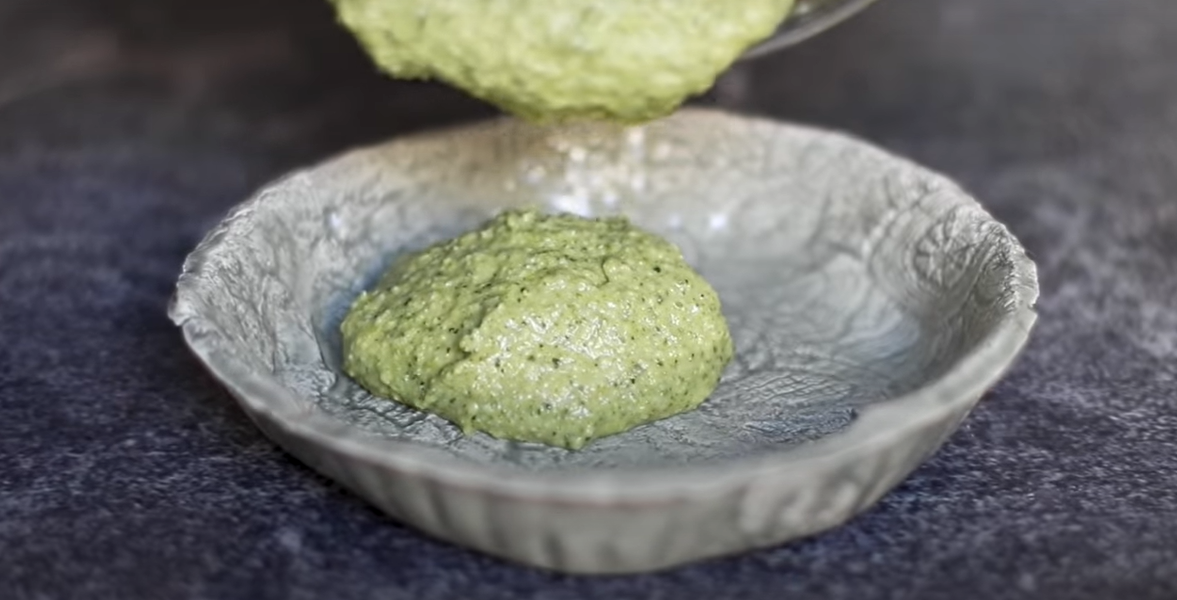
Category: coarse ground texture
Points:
column 553, row 329
column 128, row 127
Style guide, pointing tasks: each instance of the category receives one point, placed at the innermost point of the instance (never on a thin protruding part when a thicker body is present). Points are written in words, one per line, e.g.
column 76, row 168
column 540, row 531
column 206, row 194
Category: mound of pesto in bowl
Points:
column 541, row 328
column 625, row 60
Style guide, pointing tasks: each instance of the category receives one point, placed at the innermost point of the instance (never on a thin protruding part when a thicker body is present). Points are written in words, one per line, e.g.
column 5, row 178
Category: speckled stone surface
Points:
column 127, row 128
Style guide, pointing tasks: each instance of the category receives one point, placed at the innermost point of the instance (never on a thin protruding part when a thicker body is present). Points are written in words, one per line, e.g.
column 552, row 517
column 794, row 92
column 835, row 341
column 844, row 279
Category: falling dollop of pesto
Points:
column 549, row 60
column 554, row 329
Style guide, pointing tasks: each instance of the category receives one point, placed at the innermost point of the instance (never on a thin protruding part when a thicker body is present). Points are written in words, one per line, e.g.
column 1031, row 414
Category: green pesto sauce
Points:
column 541, row 328
column 548, row 60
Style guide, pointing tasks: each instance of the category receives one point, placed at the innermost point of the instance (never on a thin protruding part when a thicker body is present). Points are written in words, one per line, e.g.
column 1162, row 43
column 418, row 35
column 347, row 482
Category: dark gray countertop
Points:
column 127, row 127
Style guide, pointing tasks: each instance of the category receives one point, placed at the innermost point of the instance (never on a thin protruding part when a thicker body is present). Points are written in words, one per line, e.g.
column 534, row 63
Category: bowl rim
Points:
column 877, row 425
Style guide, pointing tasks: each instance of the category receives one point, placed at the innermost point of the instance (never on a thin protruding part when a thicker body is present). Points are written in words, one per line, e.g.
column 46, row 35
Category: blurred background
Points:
column 128, row 128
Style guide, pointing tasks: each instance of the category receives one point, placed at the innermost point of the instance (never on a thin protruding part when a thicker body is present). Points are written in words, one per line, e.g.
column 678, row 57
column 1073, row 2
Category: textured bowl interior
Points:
column 851, row 279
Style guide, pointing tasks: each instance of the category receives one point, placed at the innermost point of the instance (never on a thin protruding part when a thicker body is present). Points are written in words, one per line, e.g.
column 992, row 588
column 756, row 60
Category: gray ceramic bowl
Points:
column 872, row 303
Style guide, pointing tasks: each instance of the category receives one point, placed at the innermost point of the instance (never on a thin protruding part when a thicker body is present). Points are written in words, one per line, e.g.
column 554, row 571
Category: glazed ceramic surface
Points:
column 872, row 302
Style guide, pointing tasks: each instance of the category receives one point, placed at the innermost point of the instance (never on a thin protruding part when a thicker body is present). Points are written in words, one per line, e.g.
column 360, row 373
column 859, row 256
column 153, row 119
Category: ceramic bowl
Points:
column 872, row 302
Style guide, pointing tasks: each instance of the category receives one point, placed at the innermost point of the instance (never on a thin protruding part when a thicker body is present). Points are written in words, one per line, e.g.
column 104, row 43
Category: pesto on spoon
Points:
column 551, row 60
